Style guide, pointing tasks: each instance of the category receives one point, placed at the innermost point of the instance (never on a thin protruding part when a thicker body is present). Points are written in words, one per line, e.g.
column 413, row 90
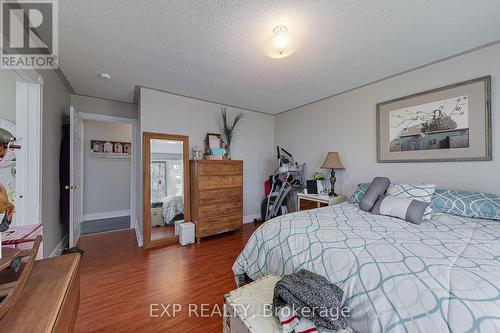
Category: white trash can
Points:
column 186, row 233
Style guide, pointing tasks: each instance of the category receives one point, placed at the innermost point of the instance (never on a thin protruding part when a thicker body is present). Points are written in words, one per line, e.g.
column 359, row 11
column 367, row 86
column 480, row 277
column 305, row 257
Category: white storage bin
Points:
column 177, row 228
column 186, row 233
column 244, row 310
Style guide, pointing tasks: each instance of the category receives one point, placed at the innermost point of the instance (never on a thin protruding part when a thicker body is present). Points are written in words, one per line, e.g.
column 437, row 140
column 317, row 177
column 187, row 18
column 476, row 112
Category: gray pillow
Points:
column 411, row 210
column 377, row 188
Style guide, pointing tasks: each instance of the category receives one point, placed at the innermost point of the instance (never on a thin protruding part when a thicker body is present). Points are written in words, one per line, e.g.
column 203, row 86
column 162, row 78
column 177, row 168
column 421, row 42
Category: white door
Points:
column 28, row 160
column 75, row 169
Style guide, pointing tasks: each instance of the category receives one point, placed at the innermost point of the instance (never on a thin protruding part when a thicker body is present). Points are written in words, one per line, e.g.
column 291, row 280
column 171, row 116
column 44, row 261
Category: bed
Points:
column 173, row 209
column 440, row 276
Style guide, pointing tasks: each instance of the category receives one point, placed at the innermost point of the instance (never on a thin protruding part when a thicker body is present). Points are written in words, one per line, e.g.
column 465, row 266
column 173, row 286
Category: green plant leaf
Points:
column 227, row 127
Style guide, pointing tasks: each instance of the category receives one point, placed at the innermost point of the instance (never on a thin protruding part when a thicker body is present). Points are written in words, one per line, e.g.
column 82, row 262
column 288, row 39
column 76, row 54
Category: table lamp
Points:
column 332, row 162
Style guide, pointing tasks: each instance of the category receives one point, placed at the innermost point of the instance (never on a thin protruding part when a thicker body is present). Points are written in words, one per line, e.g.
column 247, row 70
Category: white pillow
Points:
column 421, row 192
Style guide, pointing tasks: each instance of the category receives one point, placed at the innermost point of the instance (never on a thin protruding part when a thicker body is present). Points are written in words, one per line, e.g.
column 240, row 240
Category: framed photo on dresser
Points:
column 451, row 123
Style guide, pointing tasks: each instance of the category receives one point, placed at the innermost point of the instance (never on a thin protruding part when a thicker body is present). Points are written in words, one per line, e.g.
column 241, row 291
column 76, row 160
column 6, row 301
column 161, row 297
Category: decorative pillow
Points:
column 468, row 204
column 408, row 209
column 377, row 188
column 358, row 193
column 423, row 192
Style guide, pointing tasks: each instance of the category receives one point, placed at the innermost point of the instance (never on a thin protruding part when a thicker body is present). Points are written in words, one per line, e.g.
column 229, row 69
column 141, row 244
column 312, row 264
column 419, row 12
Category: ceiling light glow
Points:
column 281, row 44
column 105, row 76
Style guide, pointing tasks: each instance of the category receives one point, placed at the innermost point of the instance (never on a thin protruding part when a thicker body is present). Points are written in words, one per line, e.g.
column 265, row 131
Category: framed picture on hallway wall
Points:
column 110, row 149
column 451, row 123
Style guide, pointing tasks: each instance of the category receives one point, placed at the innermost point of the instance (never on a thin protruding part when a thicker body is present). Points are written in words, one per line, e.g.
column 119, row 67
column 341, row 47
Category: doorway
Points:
column 20, row 127
column 107, row 180
column 106, row 185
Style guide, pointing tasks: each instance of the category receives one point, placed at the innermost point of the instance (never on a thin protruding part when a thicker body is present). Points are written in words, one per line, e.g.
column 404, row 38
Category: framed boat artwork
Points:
column 451, row 123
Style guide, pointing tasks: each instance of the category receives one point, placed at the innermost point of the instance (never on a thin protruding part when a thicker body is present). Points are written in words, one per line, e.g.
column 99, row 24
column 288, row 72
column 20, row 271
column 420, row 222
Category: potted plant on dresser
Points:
column 229, row 127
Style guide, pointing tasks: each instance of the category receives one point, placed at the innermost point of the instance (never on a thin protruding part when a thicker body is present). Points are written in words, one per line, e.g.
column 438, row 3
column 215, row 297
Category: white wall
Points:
column 106, row 187
column 346, row 123
column 8, row 95
column 56, row 99
column 253, row 140
column 103, row 106
column 56, row 102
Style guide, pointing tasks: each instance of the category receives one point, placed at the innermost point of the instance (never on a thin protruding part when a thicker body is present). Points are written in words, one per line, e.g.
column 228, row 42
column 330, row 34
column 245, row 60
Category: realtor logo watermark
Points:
column 29, row 32
column 161, row 310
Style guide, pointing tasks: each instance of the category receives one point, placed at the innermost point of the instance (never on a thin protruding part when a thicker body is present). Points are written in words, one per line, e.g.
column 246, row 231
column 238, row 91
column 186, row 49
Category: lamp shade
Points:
column 332, row 161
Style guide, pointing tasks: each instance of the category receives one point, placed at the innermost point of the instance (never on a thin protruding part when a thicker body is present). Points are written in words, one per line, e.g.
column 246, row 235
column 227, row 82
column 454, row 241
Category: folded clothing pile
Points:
column 305, row 301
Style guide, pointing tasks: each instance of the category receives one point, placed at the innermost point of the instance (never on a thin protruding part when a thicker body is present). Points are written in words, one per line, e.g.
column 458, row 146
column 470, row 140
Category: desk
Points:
column 49, row 301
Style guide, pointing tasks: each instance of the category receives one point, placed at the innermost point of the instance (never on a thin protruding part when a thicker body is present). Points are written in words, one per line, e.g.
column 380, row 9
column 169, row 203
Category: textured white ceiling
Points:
column 212, row 49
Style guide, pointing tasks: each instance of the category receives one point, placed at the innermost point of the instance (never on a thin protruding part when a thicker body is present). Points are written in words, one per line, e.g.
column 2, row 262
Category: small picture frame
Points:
column 312, row 186
column 213, row 140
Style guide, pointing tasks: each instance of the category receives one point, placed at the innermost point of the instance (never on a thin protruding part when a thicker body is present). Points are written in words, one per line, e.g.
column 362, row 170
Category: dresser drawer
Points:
column 214, row 225
column 220, row 168
column 219, row 182
column 307, row 204
column 220, row 197
column 214, row 211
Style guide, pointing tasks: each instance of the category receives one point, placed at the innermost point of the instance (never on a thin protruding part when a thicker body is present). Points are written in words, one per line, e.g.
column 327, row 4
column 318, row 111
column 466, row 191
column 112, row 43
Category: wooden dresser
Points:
column 216, row 196
column 49, row 301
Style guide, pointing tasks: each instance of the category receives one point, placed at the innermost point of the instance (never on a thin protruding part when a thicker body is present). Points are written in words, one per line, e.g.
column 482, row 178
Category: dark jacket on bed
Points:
column 311, row 296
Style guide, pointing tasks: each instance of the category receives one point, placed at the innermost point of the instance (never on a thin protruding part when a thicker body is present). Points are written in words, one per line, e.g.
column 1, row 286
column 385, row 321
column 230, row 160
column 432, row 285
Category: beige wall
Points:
column 107, row 181
column 253, row 141
column 346, row 123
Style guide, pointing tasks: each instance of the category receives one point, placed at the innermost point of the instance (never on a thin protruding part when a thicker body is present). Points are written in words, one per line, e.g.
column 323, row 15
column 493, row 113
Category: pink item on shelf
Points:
column 22, row 236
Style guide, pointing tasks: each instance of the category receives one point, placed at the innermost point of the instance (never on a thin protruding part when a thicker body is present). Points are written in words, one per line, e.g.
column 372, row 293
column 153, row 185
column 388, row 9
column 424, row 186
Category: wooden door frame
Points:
column 146, row 167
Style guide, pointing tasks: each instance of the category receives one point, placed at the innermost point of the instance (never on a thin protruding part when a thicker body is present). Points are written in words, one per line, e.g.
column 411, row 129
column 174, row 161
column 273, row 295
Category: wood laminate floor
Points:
column 160, row 232
column 119, row 282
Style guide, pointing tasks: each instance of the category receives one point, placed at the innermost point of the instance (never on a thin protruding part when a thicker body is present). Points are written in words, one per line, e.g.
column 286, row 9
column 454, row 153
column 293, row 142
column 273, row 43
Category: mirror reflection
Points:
column 167, row 187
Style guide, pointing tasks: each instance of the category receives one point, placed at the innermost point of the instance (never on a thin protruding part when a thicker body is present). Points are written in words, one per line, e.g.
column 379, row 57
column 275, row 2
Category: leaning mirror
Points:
column 166, row 187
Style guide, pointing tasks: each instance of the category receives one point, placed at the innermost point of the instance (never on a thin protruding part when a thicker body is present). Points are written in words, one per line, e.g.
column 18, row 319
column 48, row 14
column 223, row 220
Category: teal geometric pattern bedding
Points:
column 469, row 204
column 440, row 276
column 358, row 193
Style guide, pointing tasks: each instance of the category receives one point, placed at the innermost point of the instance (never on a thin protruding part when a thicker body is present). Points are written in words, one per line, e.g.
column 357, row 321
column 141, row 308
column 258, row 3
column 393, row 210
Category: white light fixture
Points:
column 105, row 76
column 281, row 44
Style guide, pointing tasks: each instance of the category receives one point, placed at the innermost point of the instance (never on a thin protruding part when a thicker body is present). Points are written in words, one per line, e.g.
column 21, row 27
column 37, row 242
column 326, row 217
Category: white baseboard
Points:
column 250, row 218
column 106, row 215
column 60, row 247
column 138, row 235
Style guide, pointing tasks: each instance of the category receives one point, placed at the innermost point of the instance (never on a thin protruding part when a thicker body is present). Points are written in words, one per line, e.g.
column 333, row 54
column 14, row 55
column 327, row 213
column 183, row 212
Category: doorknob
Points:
column 69, row 187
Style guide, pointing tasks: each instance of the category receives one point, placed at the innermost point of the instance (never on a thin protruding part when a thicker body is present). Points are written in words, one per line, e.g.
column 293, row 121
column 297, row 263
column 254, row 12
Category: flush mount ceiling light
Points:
column 281, row 44
column 105, row 76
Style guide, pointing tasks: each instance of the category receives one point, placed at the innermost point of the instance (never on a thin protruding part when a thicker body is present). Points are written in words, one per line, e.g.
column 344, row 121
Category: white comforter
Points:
column 172, row 206
column 440, row 276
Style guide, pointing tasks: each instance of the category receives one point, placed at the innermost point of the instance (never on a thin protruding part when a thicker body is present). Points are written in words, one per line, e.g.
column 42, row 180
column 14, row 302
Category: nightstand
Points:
column 157, row 216
column 311, row 201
